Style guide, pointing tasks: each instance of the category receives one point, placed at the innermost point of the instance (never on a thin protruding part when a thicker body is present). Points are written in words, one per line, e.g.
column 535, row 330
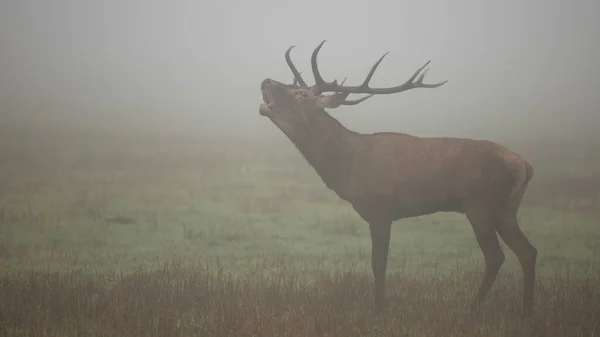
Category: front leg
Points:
column 380, row 244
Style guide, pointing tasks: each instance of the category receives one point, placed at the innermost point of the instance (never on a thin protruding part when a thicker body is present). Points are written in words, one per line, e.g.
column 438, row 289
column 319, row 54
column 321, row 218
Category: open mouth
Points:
column 265, row 108
column 265, row 97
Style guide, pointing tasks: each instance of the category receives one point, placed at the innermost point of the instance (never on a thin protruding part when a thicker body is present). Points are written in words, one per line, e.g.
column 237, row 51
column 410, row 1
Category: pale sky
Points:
column 512, row 66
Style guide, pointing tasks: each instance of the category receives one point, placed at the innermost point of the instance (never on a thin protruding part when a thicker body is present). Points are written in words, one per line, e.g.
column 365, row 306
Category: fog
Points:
column 514, row 69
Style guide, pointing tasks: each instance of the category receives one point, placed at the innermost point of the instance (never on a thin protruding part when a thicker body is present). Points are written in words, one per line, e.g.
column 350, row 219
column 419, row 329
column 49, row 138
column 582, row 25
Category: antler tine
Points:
column 336, row 99
column 365, row 83
column 319, row 81
column 425, row 85
column 290, row 64
column 295, row 82
column 356, row 101
column 419, row 83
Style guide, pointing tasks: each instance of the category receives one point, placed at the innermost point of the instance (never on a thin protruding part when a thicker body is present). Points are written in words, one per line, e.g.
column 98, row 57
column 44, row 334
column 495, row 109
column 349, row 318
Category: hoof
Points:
column 379, row 305
column 474, row 309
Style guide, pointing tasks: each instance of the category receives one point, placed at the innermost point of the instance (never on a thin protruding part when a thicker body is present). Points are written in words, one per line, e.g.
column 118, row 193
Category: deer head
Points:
column 294, row 107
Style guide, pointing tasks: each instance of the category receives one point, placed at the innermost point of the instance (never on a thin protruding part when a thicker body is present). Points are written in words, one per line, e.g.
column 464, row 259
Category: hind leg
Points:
column 483, row 226
column 511, row 234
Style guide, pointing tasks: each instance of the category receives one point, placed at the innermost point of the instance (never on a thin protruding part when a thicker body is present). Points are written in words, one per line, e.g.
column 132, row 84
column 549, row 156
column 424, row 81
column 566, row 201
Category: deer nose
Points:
column 266, row 82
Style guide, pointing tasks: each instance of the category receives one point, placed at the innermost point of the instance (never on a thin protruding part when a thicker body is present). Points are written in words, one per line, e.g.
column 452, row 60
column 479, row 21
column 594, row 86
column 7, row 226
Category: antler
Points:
column 341, row 92
column 297, row 78
column 332, row 101
column 322, row 86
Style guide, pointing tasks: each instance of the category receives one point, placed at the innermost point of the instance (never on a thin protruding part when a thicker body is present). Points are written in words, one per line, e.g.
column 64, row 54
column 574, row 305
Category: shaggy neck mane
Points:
column 328, row 146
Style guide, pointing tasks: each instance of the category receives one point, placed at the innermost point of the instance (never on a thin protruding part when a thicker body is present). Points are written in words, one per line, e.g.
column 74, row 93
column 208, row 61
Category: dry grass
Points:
column 208, row 301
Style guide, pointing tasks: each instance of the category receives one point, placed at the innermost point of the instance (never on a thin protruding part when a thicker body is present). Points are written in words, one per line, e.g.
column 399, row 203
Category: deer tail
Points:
column 524, row 176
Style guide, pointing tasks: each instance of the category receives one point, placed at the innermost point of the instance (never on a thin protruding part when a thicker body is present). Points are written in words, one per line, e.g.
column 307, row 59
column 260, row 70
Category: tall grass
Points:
column 206, row 300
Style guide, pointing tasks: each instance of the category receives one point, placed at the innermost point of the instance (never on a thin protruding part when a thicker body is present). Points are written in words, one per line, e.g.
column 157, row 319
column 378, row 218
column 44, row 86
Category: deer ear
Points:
column 329, row 101
column 323, row 102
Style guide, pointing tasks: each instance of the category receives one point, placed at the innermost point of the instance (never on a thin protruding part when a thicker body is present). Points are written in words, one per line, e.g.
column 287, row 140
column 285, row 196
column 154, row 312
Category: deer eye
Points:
column 301, row 94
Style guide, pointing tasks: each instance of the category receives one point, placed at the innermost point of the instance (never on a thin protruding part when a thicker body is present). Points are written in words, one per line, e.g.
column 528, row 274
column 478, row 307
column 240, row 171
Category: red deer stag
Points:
column 387, row 176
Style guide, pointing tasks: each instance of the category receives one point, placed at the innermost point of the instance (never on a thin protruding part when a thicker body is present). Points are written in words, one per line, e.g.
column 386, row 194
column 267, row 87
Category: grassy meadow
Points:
column 141, row 235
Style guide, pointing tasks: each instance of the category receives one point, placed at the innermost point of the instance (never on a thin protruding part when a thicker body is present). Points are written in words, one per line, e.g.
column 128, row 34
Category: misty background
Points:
column 515, row 69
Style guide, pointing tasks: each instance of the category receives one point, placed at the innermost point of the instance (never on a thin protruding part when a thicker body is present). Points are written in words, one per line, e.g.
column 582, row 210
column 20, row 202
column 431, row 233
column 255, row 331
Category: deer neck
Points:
column 328, row 147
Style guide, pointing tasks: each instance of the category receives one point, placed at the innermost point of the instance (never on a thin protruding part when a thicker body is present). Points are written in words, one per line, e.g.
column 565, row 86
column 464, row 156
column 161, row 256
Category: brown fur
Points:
column 388, row 176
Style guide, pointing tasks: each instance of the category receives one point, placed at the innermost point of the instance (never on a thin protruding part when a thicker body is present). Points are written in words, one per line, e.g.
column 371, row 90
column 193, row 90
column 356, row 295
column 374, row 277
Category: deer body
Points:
column 388, row 176
column 407, row 176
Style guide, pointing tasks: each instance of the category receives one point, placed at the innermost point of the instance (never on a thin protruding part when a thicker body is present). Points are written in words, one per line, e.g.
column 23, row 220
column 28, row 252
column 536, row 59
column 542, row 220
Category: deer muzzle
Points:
column 266, row 87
